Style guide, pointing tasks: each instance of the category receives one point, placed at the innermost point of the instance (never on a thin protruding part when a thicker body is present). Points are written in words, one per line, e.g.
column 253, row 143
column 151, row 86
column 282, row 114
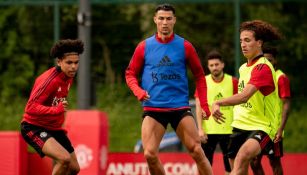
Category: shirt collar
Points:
column 254, row 60
column 167, row 40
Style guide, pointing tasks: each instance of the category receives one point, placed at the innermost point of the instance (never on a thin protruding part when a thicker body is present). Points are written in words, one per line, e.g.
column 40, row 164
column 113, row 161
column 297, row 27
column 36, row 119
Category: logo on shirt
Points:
column 241, row 86
column 165, row 61
column 218, row 96
column 56, row 100
column 60, row 89
column 164, row 76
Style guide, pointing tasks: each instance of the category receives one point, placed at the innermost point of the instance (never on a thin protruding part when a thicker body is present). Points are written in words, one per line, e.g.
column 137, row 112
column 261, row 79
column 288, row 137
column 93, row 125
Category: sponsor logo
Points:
column 141, row 168
column 56, row 100
column 164, row 76
column 246, row 105
column 84, row 155
column 59, row 89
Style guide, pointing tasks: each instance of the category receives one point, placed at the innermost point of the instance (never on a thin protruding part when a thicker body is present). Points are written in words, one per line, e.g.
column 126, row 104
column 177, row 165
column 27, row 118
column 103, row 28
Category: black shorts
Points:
column 239, row 136
column 210, row 146
column 277, row 150
column 172, row 117
column 37, row 136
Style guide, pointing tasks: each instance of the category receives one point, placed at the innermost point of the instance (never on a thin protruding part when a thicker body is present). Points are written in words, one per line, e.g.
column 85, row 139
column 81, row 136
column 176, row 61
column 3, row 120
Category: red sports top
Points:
column 44, row 107
column 284, row 87
column 136, row 66
column 262, row 78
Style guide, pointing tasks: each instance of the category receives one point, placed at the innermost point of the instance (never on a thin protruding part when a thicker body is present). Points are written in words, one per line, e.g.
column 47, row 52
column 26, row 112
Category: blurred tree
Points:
column 27, row 35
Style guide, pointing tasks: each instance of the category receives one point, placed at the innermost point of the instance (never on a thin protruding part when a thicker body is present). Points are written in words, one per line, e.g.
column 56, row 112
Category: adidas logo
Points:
column 218, row 96
column 165, row 61
column 258, row 136
column 241, row 86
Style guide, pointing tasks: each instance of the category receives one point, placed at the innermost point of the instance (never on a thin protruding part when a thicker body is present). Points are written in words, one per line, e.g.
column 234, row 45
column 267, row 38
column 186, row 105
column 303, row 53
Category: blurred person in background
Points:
column 162, row 60
column 254, row 122
column 41, row 126
column 284, row 100
column 219, row 85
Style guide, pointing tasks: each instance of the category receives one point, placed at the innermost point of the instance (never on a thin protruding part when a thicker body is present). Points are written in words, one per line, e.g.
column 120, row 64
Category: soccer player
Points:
column 284, row 99
column 254, row 123
column 41, row 126
column 219, row 85
column 162, row 59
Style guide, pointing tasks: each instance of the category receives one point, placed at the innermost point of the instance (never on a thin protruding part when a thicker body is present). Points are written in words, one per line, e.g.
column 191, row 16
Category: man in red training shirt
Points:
column 41, row 126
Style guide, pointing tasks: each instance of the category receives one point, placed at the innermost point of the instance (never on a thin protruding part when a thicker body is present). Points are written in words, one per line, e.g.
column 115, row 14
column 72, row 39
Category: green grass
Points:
column 124, row 116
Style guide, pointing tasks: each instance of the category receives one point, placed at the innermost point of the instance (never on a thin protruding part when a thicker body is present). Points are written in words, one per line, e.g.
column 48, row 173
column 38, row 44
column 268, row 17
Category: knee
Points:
column 75, row 169
column 195, row 150
column 150, row 156
column 64, row 160
column 255, row 163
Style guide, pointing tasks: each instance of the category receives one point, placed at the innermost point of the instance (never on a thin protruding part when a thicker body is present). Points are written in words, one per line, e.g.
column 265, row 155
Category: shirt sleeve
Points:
column 262, row 78
column 198, row 72
column 284, row 87
column 35, row 105
column 235, row 82
column 134, row 68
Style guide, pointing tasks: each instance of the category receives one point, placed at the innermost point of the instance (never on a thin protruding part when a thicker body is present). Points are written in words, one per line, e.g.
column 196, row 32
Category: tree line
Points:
column 27, row 35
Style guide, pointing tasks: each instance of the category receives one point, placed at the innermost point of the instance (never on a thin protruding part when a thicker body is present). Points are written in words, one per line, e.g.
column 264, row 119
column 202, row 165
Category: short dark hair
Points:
column 214, row 54
column 66, row 46
column 165, row 7
column 270, row 50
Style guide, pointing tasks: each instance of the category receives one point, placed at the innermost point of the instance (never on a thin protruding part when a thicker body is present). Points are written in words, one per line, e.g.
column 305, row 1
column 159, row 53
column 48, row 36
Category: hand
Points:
column 203, row 115
column 65, row 105
column 143, row 96
column 146, row 97
column 203, row 136
column 278, row 136
column 217, row 114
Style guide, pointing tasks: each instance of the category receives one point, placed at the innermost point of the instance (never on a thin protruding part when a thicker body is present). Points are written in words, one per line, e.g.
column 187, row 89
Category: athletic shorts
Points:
column 172, row 117
column 239, row 136
column 277, row 150
column 210, row 146
column 37, row 136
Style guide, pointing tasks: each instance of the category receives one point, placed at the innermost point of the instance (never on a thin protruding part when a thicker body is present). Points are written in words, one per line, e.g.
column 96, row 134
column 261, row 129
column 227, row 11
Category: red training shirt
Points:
column 44, row 107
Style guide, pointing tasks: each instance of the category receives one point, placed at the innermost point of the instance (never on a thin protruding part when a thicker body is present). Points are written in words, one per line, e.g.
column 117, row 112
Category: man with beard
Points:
column 219, row 85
